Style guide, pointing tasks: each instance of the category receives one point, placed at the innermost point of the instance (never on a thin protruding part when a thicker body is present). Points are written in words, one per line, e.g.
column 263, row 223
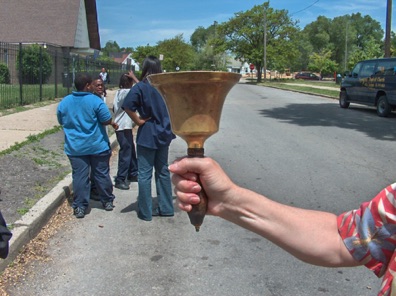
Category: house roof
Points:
column 119, row 57
column 68, row 23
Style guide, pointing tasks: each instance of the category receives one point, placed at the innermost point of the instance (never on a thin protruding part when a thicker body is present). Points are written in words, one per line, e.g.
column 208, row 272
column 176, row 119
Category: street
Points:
column 298, row 149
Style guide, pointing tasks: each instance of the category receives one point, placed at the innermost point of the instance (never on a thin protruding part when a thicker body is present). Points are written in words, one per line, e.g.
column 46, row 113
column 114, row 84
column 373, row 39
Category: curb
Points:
column 35, row 219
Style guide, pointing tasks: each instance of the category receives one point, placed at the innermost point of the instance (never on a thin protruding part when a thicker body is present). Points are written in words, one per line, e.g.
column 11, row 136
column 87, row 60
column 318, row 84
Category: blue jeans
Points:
column 147, row 160
column 127, row 162
column 100, row 167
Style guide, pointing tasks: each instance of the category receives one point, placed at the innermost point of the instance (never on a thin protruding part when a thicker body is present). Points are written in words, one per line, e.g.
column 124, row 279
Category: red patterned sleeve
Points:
column 369, row 233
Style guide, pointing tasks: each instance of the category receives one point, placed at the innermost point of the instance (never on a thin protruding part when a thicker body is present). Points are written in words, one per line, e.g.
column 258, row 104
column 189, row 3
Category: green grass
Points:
column 10, row 94
column 30, row 139
column 306, row 87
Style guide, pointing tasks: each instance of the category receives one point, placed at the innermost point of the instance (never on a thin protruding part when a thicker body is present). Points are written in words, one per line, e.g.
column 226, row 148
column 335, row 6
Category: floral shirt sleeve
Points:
column 369, row 233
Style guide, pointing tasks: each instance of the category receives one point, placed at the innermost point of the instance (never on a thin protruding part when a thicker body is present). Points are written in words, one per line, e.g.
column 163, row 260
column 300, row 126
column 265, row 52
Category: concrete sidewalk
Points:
column 16, row 128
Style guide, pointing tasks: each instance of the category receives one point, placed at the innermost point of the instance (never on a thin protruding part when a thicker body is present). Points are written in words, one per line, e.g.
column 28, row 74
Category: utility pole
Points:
column 388, row 29
column 265, row 43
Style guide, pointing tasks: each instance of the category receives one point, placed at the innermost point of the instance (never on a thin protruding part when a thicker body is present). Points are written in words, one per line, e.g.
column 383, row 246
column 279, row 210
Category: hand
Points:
column 132, row 75
column 115, row 125
column 217, row 185
column 142, row 121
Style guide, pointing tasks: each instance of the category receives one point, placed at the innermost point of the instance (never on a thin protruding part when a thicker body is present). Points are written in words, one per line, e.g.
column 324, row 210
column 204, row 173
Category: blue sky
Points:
column 142, row 22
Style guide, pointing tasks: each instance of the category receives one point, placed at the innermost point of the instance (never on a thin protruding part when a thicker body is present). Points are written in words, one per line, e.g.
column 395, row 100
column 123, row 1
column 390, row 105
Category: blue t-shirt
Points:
column 81, row 115
column 145, row 99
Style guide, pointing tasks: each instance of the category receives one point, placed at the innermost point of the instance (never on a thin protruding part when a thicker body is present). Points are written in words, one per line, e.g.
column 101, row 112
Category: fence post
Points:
column 41, row 74
column 20, row 74
column 56, row 74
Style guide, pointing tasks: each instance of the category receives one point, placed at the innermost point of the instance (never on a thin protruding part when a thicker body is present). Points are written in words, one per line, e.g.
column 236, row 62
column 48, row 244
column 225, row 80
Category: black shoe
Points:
column 132, row 179
column 108, row 206
column 79, row 213
column 121, row 185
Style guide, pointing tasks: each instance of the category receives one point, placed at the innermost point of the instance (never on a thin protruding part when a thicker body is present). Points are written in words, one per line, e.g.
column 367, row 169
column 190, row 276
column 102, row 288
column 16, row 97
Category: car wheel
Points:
column 383, row 107
column 343, row 99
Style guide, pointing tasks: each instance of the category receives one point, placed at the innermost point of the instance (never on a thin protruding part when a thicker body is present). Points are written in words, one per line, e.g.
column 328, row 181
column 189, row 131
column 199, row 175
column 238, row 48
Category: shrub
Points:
column 31, row 61
column 4, row 74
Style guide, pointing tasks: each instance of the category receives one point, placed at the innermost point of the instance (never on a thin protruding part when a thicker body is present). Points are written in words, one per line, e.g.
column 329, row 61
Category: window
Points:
column 367, row 69
column 388, row 67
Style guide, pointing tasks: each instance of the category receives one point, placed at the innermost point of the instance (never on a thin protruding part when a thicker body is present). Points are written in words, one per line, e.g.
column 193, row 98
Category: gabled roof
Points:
column 68, row 23
column 119, row 57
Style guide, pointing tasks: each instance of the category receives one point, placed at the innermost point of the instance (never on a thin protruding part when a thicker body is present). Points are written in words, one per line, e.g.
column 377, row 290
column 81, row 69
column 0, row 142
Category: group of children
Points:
column 142, row 105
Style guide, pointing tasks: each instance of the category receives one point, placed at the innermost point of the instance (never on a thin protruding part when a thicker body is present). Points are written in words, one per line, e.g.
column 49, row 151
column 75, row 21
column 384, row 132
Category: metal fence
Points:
column 30, row 73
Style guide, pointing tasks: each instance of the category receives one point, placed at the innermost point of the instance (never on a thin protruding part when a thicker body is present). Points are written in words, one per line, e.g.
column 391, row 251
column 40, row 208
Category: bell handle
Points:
column 198, row 211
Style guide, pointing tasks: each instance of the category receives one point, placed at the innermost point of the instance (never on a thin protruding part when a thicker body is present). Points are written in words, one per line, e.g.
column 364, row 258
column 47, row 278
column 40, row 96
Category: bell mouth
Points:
column 194, row 100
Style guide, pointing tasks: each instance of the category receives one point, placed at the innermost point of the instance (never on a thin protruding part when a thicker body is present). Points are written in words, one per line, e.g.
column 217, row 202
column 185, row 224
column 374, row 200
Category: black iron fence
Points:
column 30, row 73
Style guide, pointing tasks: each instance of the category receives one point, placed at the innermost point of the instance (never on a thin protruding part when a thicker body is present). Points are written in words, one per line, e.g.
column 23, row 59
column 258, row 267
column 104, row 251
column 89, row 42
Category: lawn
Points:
column 10, row 95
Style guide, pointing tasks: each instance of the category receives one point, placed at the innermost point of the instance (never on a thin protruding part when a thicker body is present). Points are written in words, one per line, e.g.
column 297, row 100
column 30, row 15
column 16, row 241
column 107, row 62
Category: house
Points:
column 236, row 66
column 125, row 59
column 69, row 24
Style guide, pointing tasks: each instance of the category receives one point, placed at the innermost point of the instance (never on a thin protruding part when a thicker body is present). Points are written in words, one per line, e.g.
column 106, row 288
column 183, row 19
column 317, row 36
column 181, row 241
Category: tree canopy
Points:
column 325, row 45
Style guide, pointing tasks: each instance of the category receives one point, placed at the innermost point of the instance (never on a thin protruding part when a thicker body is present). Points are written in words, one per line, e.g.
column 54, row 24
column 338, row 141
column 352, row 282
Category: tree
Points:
column 321, row 62
column 127, row 49
column 200, row 37
column 343, row 35
column 305, row 49
column 318, row 33
column 372, row 50
column 141, row 52
column 111, row 46
column 177, row 54
column 244, row 35
column 209, row 47
column 4, row 74
column 393, row 44
column 36, row 64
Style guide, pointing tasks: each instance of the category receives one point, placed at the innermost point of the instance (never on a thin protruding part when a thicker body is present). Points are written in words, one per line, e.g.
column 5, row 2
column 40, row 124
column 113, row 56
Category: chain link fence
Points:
column 31, row 73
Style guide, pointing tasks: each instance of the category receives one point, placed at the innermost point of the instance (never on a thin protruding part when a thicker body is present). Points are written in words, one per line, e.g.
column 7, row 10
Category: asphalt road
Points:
column 298, row 149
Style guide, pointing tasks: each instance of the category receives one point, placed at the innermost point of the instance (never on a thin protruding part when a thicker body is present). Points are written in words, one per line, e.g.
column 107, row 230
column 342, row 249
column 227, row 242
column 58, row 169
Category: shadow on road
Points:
column 359, row 118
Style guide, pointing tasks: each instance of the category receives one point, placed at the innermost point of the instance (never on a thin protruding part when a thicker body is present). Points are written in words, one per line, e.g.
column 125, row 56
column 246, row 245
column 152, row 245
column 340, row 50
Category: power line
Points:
column 305, row 8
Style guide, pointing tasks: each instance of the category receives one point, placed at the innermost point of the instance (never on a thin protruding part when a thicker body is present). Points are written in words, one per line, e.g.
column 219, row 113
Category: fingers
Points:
column 186, row 165
column 186, row 189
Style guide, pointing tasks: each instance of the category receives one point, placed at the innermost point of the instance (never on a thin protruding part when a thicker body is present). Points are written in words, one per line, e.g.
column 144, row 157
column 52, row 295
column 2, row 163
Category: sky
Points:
column 133, row 23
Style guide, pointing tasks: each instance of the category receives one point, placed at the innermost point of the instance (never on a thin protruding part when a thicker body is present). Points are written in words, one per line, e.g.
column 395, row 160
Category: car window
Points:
column 356, row 70
column 367, row 69
column 386, row 67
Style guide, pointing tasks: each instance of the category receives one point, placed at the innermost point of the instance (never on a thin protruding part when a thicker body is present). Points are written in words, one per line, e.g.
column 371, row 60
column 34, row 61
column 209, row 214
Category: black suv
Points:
column 371, row 82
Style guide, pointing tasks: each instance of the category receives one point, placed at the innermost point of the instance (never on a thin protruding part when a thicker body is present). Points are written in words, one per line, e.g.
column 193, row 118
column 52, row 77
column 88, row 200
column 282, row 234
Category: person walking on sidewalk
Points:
column 83, row 117
column 153, row 139
column 127, row 162
column 105, row 78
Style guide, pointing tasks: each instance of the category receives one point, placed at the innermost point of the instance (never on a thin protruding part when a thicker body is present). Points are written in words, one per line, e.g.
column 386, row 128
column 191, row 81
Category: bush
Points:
column 31, row 62
column 4, row 74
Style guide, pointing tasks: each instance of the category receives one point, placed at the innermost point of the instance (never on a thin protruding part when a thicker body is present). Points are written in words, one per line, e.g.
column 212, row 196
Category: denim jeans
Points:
column 147, row 160
column 100, row 167
column 127, row 162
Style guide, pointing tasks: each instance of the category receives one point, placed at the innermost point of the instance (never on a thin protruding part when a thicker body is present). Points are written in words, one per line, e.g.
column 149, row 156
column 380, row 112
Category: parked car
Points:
column 371, row 82
column 306, row 76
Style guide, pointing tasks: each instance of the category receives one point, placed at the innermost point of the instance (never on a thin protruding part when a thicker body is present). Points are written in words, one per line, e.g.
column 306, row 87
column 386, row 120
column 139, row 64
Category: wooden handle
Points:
column 198, row 212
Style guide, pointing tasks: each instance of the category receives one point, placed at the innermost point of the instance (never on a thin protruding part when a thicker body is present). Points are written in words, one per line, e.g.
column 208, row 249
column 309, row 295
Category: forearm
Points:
column 311, row 236
column 108, row 122
column 135, row 117
column 112, row 123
